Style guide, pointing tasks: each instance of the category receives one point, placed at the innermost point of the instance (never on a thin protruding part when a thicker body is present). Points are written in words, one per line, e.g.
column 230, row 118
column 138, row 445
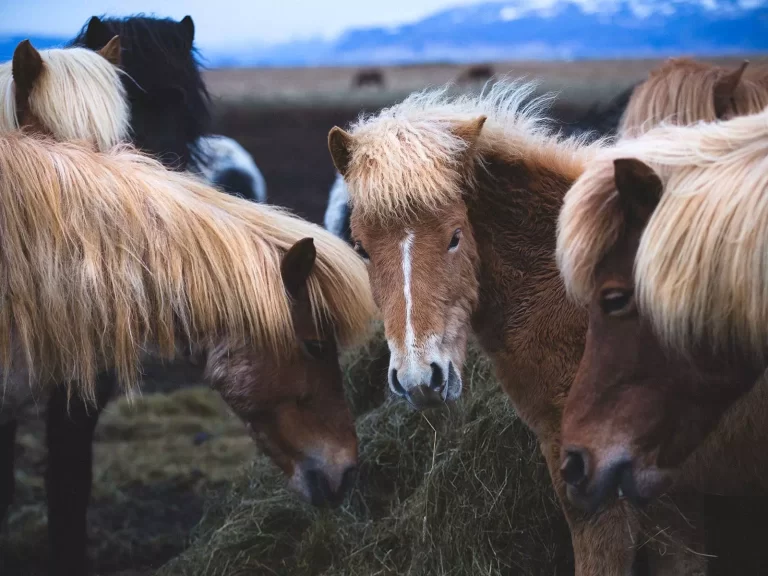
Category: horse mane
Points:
column 156, row 57
column 79, row 96
column 106, row 256
column 418, row 137
column 681, row 91
column 701, row 267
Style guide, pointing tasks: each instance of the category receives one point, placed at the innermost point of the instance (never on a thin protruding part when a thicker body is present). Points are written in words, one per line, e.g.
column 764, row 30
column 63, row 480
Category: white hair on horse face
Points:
column 337, row 213
column 222, row 155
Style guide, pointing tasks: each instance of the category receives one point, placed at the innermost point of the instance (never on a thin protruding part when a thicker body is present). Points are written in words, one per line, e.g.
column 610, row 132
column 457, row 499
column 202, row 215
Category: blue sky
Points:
column 223, row 23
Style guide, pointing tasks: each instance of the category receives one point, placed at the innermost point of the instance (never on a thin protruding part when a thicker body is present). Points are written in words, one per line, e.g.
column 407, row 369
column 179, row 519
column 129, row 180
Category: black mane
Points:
column 170, row 105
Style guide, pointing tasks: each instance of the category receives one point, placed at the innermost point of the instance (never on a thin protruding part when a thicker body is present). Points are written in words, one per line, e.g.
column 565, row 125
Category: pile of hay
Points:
column 462, row 490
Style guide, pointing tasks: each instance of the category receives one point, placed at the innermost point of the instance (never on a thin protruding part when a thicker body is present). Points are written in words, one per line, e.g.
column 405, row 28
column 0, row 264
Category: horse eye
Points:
column 360, row 250
column 455, row 239
column 314, row 348
column 615, row 301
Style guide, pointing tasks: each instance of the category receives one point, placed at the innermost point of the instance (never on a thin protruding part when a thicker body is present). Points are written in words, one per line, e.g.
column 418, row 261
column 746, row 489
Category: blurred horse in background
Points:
column 170, row 105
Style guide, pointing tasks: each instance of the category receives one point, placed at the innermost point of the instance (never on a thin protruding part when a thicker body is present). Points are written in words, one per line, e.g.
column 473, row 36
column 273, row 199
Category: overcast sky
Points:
column 223, row 22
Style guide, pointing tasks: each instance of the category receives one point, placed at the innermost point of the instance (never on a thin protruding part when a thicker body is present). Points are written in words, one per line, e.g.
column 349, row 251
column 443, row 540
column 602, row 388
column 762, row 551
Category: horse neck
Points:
column 524, row 320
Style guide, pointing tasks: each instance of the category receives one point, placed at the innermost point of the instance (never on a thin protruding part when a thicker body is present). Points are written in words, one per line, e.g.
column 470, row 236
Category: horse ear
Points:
column 340, row 145
column 725, row 88
column 639, row 187
column 26, row 69
column 97, row 34
column 296, row 267
column 469, row 131
column 111, row 52
column 189, row 29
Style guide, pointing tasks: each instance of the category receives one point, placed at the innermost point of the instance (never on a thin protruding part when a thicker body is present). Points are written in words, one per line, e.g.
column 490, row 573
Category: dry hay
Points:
column 458, row 491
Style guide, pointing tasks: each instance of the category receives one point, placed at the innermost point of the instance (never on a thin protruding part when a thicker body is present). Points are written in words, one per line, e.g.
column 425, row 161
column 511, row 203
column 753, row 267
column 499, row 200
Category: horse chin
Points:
column 298, row 484
column 642, row 485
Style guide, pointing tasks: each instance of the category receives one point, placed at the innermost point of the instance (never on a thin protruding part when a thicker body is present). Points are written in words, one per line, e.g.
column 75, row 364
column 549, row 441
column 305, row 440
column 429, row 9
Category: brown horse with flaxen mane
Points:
column 664, row 238
column 111, row 261
column 455, row 202
column 683, row 91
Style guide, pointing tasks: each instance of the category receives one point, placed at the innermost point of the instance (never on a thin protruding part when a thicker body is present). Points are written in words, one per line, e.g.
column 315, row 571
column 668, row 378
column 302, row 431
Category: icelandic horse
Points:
column 77, row 94
column 455, row 201
column 663, row 238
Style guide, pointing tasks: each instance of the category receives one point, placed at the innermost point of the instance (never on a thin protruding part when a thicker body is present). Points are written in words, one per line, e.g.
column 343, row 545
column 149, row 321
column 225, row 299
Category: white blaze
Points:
column 410, row 336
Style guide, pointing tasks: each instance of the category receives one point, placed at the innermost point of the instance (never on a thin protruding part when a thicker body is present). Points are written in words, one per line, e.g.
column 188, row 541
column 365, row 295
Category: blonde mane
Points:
column 410, row 156
column 701, row 268
column 681, row 91
column 79, row 96
column 106, row 256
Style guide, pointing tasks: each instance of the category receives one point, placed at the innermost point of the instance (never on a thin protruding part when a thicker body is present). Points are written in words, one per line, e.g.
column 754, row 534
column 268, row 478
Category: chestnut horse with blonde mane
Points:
column 664, row 238
column 68, row 93
column 454, row 203
column 111, row 261
column 683, row 91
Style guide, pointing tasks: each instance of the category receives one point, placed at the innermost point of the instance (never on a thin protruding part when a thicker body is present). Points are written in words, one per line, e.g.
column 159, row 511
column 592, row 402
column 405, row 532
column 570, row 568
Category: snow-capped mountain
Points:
column 546, row 29
column 521, row 30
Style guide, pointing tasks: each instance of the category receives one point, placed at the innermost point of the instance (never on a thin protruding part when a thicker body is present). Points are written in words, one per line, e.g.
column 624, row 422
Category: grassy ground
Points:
column 456, row 491
column 155, row 464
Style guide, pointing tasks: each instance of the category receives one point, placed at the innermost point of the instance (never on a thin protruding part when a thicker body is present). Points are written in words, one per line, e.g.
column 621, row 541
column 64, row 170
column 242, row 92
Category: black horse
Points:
column 170, row 105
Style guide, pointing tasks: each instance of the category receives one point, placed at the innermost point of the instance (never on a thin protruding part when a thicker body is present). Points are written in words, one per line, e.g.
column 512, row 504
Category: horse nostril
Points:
column 437, row 380
column 574, row 468
column 319, row 488
column 398, row 388
column 348, row 480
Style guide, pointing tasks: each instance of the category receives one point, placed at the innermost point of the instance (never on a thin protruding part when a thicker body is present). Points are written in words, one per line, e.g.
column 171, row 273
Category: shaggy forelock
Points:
column 78, row 96
column 681, row 91
column 701, row 267
column 408, row 157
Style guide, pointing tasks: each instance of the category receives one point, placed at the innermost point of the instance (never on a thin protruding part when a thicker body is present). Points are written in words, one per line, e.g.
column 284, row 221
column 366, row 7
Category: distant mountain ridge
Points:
column 521, row 30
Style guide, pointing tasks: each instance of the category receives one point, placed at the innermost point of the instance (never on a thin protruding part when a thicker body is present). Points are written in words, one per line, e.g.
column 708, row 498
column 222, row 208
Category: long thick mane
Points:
column 409, row 156
column 681, row 91
column 701, row 268
column 156, row 58
column 105, row 256
column 79, row 96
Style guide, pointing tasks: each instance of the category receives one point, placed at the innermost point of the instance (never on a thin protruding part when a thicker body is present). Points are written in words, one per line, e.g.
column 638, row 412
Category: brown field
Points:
column 160, row 464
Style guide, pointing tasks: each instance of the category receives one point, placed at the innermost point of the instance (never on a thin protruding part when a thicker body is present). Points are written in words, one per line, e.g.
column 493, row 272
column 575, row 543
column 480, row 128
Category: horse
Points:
column 475, row 74
column 70, row 94
column 170, row 105
column 368, row 77
column 454, row 205
column 683, row 91
column 663, row 238
column 112, row 261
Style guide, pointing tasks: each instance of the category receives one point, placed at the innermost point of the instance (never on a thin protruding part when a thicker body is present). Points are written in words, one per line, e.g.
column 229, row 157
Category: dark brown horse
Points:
column 659, row 236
